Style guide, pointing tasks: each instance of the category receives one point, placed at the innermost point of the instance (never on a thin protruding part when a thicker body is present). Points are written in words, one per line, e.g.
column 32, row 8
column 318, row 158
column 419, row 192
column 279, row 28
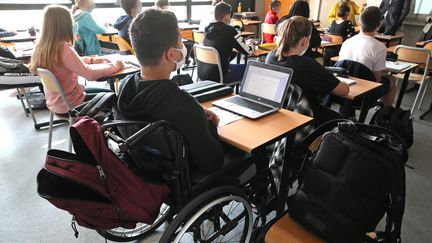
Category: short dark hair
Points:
column 274, row 4
column 299, row 8
column 128, row 5
column 222, row 9
column 152, row 33
column 162, row 3
column 370, row 19
column 343, row 10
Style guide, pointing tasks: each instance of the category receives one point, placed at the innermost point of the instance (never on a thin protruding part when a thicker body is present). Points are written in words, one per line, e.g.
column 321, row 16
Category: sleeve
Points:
column 405, row 11
column 315, row 40
column 380, row 62
column 205, row 150
column 350, row 29
column 357, row 9
column 92, row 25
column 332, row 13
column 239, row 43
column 319, row 80
column 80, row 66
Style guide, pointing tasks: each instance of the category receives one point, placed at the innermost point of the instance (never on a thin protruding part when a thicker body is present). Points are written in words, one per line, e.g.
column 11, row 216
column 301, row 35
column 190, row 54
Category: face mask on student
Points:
column 183, row 60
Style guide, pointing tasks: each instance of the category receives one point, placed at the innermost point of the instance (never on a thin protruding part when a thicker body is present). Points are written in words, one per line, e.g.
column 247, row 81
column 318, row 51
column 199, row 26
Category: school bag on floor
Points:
column 95, row 186
column 350, row 182
column 397, row 120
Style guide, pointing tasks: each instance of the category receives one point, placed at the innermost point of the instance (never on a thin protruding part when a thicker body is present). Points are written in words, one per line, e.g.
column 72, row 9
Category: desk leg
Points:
column 111, row 84
column 363, row 110
column 402, row 89
column 286, row 177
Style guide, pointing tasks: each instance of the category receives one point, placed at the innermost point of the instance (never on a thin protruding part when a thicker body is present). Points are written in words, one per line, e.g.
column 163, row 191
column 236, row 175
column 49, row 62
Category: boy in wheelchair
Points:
column 217, row 171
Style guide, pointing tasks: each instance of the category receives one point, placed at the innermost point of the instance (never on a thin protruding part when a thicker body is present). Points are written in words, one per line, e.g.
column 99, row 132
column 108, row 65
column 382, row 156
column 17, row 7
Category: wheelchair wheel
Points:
column 141, row 230
column 219, row 215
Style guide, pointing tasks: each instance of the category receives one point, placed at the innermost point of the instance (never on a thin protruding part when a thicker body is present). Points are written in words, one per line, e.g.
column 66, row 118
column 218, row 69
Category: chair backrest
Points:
column 198, row 36
column 237, row 22
column 336, row 38
column 208, row 55
column 267, row 29
column 123, row 45
column 412, row 54
column 51, row 84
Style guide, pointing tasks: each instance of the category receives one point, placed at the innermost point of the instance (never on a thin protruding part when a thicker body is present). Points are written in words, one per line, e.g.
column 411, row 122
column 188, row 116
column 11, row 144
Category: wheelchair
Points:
column 224, row 206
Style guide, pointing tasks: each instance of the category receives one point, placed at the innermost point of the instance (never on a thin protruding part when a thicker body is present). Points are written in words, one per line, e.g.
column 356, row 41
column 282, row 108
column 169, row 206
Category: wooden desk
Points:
column 358, row 91
column 251, row 22
column 390, row 39
column 260, row 52
column 329, row 44
column 21, row 50
column 129, row 69
column 19, row 37
column 250, row 135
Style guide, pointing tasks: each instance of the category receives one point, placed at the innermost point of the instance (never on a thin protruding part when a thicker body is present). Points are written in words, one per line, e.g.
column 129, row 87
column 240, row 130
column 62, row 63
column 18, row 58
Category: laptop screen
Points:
column 262, row 82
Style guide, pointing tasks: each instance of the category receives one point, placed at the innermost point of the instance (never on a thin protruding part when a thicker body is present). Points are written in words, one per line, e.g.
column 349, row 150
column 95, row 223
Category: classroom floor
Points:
column 25, row 217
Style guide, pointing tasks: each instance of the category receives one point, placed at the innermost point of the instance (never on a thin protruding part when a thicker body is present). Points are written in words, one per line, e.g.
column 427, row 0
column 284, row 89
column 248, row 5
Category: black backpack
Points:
column 350, row 182
column 397, row 120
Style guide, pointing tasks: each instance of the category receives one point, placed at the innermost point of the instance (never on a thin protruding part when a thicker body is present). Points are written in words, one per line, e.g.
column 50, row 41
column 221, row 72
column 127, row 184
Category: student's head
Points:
column 294, row 35
column 56, row 30
column 222, row 12
column 84, row 5
column 275, row 5
column 214, row 2
column 131, row 7
column 343, row 1
column 299, row 8
column 156, row 39
column 162, row 4
column 370, row 19
column 343, row 11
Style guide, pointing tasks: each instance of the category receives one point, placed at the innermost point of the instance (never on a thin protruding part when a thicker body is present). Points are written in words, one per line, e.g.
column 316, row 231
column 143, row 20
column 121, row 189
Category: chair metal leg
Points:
column 22, row 102
column 70, row 140
column 50, row 129
column 419, row 93
column 29, row 107
column 423, row 95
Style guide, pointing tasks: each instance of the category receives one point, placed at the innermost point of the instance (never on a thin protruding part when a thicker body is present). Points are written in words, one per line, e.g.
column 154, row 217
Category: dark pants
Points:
column 235, row 73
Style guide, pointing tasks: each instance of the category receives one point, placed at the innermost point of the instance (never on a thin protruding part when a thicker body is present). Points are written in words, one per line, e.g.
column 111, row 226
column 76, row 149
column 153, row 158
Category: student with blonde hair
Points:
column 54, row 51
column 87, row 27
column 315, row 82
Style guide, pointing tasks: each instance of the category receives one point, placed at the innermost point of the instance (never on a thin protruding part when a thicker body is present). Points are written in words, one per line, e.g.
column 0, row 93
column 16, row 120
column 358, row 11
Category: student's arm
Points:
column 380, row 63
column 315, row 39
column 350, row 29
column 74, row 63
column 92, row 25
column 341, row 89
column 357, row 9
column 239, row 43
column 205, row 150
column 405, row 12
column 332, row 13
column 378, row 75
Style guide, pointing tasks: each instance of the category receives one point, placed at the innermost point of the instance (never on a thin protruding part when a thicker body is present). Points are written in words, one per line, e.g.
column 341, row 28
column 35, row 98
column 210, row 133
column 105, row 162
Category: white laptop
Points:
column 262, row 91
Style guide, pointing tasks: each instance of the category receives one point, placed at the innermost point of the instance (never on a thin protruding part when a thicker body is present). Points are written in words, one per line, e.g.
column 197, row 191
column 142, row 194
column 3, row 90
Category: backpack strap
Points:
column 92, row 107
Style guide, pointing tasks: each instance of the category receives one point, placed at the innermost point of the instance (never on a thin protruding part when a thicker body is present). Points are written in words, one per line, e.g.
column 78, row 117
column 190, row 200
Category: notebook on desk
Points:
column 347, row 81
column 398, row 66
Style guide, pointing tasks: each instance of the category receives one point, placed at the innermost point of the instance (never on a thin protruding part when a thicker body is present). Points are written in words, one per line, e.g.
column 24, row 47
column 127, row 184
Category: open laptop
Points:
column 262, row 91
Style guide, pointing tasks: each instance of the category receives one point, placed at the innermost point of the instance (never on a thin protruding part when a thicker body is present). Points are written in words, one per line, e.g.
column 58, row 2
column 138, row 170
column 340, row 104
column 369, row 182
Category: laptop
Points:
column 262, row 91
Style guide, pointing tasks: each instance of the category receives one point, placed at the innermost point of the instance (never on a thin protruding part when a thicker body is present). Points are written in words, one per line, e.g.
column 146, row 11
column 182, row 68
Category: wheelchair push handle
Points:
column 144, row 131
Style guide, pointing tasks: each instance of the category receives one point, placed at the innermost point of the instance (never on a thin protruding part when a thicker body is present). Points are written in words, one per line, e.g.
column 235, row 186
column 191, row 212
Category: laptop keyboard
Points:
column 249, row 104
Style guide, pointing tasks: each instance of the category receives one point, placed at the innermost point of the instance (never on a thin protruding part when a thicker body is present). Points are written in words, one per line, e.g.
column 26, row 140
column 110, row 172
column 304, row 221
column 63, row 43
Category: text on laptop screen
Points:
column 265, row 83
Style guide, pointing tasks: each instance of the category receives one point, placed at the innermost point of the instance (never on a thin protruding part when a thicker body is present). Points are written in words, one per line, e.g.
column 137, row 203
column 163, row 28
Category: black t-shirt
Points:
column 310, row 76
column 343, row 29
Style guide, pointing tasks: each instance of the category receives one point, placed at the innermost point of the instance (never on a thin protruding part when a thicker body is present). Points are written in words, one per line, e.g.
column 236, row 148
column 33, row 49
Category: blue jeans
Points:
column 235, row 73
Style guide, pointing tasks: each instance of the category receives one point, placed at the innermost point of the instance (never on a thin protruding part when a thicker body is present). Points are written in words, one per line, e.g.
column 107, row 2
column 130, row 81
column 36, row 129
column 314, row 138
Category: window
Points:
column 200, row 11
column 423, row 7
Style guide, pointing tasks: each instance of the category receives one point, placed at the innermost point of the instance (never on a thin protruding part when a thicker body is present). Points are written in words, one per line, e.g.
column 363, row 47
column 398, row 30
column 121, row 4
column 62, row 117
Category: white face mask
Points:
column 183, row 60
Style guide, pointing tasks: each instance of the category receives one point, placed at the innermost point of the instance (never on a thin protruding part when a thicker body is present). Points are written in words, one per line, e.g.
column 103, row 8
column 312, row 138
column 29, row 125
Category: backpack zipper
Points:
column 101, row 172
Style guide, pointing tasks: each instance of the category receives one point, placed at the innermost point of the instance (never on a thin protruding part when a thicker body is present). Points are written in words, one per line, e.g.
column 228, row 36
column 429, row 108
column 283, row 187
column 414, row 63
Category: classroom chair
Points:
column 422, row 57
column 208, row 55
column 123, row 45
column 267, row 29
column 51, row 84
column 198, row 36
column 237, row 22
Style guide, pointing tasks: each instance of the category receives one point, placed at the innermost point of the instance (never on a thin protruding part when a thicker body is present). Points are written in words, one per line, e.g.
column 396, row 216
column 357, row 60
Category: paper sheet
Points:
column 396, row 65
column 225, row 117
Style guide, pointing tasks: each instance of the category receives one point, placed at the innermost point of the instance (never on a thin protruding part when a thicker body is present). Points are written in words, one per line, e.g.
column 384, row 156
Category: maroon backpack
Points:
column 95, row 186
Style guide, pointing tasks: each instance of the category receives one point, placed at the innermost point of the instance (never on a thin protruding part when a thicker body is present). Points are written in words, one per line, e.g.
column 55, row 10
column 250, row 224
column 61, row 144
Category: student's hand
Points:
column 211, row 116
column 119, row 65
column 326, row 38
